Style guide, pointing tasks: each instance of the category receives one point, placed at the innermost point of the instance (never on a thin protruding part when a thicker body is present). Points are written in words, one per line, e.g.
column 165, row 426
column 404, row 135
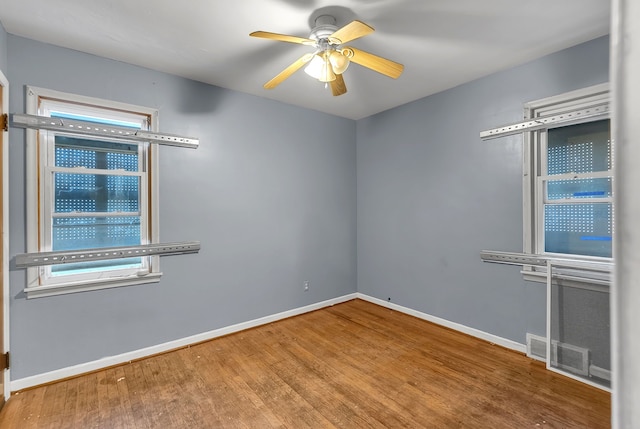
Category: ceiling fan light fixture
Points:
column 339, row 62
column 320, row 68
column 326, row 73
column 314, row 67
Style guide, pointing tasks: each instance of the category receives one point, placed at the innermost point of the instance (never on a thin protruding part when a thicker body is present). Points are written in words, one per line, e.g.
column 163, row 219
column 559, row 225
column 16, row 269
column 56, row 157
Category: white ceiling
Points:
column 442, row 43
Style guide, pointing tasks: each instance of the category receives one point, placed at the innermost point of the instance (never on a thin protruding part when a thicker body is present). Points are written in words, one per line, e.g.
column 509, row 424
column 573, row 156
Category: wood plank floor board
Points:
column 352, row 365
column 136, row 387
column 55, row 406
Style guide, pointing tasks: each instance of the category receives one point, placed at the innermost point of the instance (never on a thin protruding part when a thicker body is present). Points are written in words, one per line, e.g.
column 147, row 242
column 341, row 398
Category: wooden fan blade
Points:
column 351, row 31
column 337, row 86
column 374, row 62
column 288, row 71
column 283, row 38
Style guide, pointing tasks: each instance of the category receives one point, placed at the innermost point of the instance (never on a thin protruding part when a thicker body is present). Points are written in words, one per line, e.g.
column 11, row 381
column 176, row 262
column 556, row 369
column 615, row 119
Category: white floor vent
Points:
column 564, row 356
column 537, row 347
column 570, row 358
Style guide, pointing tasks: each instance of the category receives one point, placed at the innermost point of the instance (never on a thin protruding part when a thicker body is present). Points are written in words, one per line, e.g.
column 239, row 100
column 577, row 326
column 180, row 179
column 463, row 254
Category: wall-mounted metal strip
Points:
column 69, row 256
column 592, row 272
column 100, row 130
column 512, row 258
column 544, row 122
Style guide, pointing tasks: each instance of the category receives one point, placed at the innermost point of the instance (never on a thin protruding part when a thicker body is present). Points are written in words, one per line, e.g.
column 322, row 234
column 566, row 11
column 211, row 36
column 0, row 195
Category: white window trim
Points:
column 574, row 100
column 34, row 288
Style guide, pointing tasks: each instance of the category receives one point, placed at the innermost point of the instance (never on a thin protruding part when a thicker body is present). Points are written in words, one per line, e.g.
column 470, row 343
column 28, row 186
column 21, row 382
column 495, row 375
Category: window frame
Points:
column 39, row 147
column 534, row 159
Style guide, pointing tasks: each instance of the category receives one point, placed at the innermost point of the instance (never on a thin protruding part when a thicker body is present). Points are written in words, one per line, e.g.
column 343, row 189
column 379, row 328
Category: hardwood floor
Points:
column 353, row 365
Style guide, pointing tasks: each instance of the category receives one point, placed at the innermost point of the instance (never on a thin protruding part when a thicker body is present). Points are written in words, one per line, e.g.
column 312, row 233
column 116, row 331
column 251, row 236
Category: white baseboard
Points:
column 494, row 339
column 59, row 374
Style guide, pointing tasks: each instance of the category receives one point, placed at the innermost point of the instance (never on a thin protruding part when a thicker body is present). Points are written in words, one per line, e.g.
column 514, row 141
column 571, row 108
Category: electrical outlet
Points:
column 306, row 285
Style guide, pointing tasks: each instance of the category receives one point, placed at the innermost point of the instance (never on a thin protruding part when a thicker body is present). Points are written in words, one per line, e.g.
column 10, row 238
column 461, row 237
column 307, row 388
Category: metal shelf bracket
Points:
column 26, row 260
column 100, row 130
column 544, row 122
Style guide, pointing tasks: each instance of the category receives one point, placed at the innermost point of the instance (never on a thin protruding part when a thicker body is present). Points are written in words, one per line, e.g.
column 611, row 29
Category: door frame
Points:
column 4, row 82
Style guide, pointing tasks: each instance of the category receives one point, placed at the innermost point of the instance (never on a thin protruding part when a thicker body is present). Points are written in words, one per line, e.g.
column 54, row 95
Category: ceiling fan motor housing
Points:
column 325, row 27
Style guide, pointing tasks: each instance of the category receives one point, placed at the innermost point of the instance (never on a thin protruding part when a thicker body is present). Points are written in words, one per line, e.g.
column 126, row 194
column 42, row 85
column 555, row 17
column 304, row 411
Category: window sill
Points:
column 577, row 278
column 66, row 288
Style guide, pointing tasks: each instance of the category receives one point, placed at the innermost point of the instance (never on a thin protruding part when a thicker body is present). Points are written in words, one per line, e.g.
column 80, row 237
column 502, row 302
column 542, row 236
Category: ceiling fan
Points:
column 331, row 57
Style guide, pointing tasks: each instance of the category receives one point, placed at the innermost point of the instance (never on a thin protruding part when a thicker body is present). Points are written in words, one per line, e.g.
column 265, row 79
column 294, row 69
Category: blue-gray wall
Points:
column 270, row 193
column 3, row 49
column 431, row 196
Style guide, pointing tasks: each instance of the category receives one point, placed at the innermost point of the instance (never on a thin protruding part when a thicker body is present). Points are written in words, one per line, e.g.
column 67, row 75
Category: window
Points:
column 576, row 179
column 89, row 192
column 568, row 179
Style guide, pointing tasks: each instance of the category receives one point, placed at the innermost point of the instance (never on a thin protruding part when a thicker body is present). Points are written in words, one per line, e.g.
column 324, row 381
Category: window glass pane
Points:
column 96, row 193
column 95, row 266
column 74, row 233
column 579, row 229
column 581, row 148
column 579, row 188
column 72, row 152
column 98, row 120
